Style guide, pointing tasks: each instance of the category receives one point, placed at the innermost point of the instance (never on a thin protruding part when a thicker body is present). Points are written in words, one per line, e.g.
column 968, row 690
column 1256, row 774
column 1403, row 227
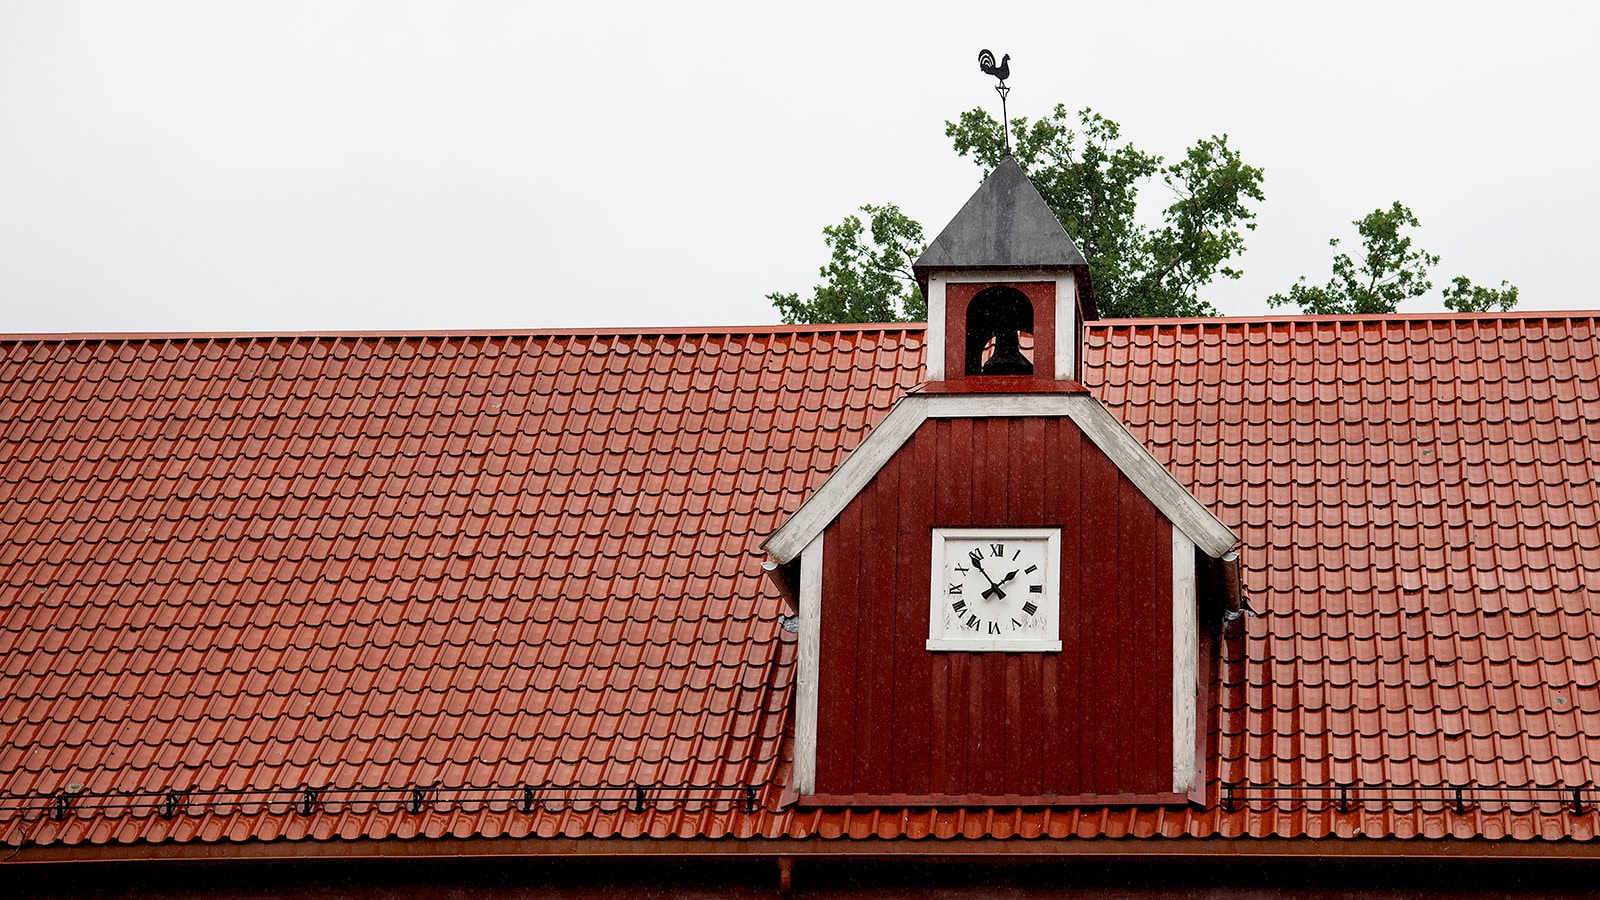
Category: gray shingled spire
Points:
column 1006, row 225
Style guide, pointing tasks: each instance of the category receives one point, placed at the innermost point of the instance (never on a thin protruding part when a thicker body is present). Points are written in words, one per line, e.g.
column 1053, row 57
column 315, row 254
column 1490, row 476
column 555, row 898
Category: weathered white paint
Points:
column 1066, row 326
column 1102, row 428
column 809, row 668
column 933, row 352
column 1185, row 662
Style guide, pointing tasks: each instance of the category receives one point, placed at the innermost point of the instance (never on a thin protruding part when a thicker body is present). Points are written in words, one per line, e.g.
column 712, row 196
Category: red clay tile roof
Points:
column 343, row 562
column 1421, row 532
column 481, row 562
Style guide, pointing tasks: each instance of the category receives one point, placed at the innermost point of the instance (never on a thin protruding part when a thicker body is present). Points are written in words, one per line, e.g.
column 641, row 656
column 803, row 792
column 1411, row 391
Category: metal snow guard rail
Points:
column 1356, row 795
column 417, row 799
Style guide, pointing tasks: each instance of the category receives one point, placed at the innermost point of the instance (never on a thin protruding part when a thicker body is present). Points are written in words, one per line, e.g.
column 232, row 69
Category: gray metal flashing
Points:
column 1005, row 224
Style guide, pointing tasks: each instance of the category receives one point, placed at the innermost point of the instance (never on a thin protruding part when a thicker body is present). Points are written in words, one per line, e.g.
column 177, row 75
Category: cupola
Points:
column 1007, row 292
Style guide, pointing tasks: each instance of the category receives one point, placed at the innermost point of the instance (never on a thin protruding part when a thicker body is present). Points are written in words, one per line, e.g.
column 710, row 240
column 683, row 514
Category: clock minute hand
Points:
column 978, row 564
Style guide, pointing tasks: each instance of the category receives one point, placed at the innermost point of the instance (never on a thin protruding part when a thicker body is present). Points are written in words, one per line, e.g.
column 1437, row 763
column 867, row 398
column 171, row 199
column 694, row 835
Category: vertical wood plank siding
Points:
column 1094, row 719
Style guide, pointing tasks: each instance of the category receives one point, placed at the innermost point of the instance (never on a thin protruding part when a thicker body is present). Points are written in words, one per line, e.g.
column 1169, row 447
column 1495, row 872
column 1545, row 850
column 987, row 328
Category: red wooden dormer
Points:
column 997, row 588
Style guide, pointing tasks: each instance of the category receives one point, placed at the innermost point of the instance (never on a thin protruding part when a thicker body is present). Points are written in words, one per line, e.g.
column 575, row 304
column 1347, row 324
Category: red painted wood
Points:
column 986, row 713
column 1153, row 673
column 1090, row 721
column 955, row 484
column 1002, row 800
column 1009, row 679
column 1064, row 445
column 1030, row 464
column 1005, row 384
column 1042, row 294
column 913, row 664
column 1131, row 663
column 956, row 745
column 875, row 627
column 1099, row 623
column 1026, row 746
column 989, row 476
column 835, row 680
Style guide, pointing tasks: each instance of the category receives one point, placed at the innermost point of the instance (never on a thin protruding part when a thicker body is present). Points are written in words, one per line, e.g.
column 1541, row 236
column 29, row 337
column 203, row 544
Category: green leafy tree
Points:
column 1090, row 177
column 1092, row 180
column 868, row 277
column 1464, row 296
column 1391, row 272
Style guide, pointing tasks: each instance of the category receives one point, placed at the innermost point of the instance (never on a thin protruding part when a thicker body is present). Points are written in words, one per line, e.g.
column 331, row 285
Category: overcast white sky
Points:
column 211, row 165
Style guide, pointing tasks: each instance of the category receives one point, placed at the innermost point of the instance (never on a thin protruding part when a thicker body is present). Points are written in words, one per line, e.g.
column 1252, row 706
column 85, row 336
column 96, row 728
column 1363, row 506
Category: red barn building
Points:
column 1022, row 602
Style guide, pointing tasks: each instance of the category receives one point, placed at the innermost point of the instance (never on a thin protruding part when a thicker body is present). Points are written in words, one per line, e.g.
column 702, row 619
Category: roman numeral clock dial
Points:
column 995, row 589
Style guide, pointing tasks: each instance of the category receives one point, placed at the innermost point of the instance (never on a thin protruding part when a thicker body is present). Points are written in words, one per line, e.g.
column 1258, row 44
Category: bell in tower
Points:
column 1007, row 292
column 998, row 319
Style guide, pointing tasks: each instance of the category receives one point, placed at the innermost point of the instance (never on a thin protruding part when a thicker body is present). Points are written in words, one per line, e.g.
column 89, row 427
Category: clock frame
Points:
column 995, row 590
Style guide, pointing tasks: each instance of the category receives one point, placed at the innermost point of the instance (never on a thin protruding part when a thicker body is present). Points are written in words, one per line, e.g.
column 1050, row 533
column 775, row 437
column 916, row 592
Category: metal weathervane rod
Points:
column 1002, row 72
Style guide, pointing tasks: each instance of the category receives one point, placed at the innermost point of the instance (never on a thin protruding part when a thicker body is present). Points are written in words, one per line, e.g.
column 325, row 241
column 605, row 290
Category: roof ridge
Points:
column 1375, row 318
column 660, row 331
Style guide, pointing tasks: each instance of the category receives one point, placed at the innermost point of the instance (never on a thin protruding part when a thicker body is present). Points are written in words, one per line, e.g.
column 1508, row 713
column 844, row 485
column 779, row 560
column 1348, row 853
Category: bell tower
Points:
column 1007, row 293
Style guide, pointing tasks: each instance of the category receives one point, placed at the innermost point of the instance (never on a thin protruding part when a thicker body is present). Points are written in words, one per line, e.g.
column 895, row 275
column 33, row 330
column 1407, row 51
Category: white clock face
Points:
column 995, row 589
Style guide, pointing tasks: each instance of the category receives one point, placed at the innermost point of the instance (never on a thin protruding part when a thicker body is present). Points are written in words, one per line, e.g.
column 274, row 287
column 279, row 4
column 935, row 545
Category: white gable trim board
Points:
column 1101, row 427
column 1185, row 663
column 810, row 663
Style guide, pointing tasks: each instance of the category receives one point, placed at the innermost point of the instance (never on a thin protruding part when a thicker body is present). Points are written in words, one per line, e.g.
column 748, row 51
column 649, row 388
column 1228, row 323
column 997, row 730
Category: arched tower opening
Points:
column 999, row 333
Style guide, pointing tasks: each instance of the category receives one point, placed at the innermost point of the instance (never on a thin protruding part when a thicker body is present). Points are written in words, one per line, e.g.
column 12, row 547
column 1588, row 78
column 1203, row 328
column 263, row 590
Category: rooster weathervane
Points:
column 1002, row 72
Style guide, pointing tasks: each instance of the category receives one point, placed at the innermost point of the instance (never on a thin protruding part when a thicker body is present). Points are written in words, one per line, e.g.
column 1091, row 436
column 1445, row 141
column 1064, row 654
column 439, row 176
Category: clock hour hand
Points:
column 996, row 586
